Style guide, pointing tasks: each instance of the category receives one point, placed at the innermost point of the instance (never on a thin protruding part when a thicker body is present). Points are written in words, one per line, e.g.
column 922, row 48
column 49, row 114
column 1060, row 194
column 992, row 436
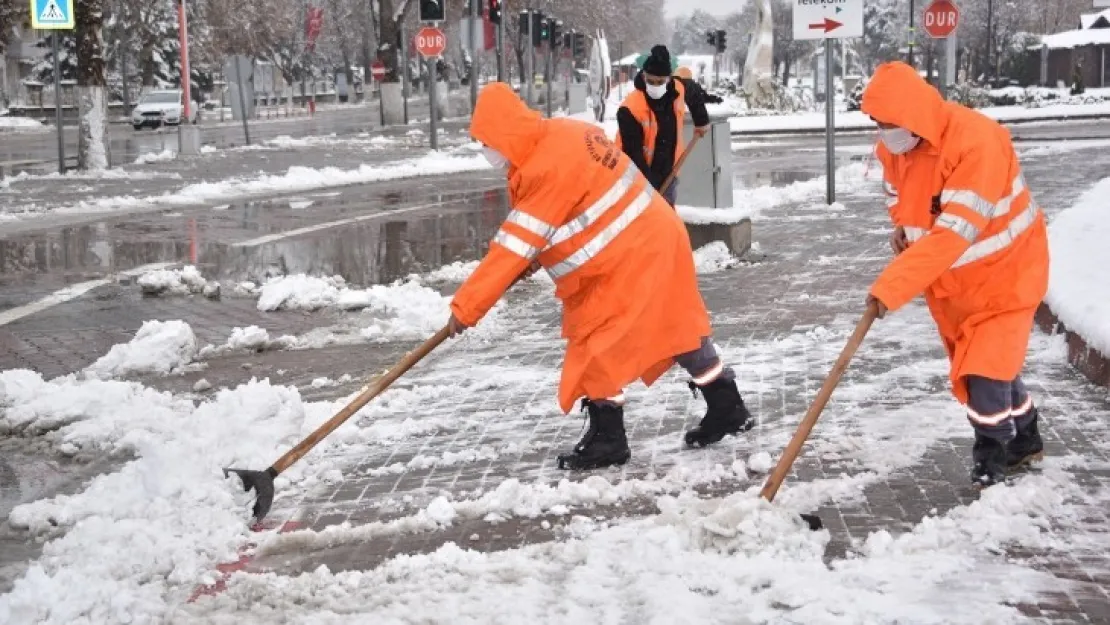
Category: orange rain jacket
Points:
column 978, row 242
column 619, row 255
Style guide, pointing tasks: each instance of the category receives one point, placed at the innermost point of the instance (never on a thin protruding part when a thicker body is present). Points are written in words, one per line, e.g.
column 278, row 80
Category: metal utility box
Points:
column 705, row 180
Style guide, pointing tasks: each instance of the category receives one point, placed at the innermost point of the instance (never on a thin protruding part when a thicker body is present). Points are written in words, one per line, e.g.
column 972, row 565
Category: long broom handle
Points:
column 771, row 487
column 677, row 166
column 375, row 388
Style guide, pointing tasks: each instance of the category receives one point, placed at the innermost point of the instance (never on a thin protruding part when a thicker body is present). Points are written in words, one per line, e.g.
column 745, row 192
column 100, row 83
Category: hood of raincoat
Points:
column 898, row 95
column 503, row 122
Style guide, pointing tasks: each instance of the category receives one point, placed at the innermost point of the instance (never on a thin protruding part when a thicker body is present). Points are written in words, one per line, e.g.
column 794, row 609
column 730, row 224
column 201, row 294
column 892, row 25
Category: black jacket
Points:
column 632, row 134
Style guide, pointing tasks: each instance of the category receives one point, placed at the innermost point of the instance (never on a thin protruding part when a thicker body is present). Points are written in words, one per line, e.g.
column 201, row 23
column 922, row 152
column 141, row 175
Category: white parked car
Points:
column 161, row 107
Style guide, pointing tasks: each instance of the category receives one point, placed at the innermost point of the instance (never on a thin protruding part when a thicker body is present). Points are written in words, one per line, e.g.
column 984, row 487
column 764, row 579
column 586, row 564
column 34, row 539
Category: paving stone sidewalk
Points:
column 809, row 274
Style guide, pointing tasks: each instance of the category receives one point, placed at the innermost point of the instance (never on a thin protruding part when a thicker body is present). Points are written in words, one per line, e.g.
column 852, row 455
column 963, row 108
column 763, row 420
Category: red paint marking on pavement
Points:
column 226, row 569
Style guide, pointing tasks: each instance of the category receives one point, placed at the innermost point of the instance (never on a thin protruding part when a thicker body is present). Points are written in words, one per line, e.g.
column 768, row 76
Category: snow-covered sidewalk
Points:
column 440, row 501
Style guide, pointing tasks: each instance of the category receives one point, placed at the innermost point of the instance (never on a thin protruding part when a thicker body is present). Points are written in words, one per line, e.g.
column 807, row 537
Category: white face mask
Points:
column 656, row 91
column 898, row 140
column 494, row 157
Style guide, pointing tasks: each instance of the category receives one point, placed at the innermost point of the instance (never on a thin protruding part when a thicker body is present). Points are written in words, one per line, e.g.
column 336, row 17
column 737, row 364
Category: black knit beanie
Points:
column 659, row 63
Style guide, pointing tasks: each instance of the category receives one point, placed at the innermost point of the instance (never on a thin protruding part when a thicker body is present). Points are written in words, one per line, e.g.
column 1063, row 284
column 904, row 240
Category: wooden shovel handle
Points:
column 376, row 387
column 677, row 166
column 771, row 487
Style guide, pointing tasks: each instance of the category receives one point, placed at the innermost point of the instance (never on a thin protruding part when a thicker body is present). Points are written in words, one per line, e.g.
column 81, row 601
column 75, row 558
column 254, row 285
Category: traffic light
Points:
column 495, row 11
column 545, row 30
column 579, row 45
column 556, row 33
column 711, row 38
column 538, row 25
column 568, row 40
column 721, row 45
column 522, row 24
column 431, row 10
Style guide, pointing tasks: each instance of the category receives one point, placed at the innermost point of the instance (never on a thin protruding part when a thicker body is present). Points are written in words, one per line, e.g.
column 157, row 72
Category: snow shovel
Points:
column 669, row 180
column 771, row 487
column 263, row 481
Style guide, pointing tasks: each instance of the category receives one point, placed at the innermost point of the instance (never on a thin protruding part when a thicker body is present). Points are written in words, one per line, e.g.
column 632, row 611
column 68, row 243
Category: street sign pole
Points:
column 404, row 69
column 55, row 15
column 950, row 66
column 830, row 105
column 432, row 79
column 58, row 101
column 828, row 20
column 501, row 51
column 474, row 65
column 547, row 74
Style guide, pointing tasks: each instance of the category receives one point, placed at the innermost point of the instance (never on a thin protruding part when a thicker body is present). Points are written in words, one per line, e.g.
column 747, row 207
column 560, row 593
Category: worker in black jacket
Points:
column 650, row 119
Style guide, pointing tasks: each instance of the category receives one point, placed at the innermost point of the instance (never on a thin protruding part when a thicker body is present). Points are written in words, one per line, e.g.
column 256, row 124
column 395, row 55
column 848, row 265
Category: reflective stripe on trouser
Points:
column 996, row 408
column 703, row 364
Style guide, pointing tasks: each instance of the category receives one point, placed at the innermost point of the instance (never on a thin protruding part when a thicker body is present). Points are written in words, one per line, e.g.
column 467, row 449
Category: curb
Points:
column 1089, row 361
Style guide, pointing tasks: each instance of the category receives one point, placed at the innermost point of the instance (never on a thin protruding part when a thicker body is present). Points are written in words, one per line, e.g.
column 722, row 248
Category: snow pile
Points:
column 158, row 347
column 156, row 157
column 413, row 310
column 713, row 258
column 749, row 203
column 136, row 540
column 184, row 281
column 1078, row 291
column 456, row 272
column 246, row 340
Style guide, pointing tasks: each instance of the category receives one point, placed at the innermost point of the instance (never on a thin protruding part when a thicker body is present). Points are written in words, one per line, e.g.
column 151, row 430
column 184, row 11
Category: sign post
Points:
column 940, row 20
column 828, row 20
column 55, row 15
column 430, row 43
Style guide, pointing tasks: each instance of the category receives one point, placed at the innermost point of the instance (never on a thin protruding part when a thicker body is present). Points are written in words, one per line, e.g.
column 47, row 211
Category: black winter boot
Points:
column 1027, row 446
column 604, row 444
column 989, row 456
column 726, row 413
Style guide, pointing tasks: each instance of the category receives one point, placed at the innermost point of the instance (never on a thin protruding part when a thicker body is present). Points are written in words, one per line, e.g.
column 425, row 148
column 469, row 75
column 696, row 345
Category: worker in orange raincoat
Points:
column 968, row 235
column 650, row 120
column 622, row 265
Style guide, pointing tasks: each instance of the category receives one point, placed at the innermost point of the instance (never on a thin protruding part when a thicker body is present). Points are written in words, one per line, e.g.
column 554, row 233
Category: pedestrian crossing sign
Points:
column 52, row 14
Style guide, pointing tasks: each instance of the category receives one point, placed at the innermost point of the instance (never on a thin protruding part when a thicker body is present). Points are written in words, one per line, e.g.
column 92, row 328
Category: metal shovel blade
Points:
column 813, row 521
column 263, row 484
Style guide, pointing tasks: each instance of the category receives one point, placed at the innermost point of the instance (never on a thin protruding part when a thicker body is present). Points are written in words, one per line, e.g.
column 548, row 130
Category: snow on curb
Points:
column 1078, row 291
column 295, row 179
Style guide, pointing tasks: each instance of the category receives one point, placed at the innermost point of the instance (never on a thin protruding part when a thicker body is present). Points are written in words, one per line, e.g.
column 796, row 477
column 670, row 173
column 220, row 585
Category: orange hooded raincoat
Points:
column 619, row 255
column 978, row 243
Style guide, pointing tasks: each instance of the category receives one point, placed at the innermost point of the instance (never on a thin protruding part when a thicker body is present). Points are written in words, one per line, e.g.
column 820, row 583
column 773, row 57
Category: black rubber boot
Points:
column 989, row 457
column 726, row 413
column 1027, row 446
column 604, row 444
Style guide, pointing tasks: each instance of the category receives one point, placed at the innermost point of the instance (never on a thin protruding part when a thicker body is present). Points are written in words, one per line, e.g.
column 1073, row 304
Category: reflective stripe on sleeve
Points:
column 532, row 224
column 959, row 225
column 516, row 245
